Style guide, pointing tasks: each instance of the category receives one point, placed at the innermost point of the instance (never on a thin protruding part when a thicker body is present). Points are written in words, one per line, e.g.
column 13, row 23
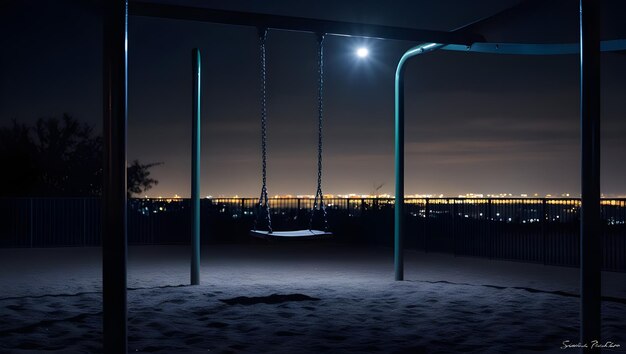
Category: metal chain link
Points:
column 320, row 120
column 263, row 204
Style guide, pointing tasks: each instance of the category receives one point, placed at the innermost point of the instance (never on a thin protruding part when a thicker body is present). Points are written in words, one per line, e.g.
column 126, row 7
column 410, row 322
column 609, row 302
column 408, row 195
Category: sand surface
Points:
column 303, row 298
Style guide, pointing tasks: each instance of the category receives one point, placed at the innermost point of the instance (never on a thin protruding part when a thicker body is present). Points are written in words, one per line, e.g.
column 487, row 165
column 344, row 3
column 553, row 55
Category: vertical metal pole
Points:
column 115, row 30
column 31, row 222
column 454, row 233
column 399, row 167
column 84, row 222
column 544, row 232
column 426, row 220
column 490, row 234
column 195, row 170
column 590, row 228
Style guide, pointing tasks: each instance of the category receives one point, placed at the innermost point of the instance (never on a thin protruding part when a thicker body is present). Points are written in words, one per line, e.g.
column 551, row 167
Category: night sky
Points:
column 476, row 123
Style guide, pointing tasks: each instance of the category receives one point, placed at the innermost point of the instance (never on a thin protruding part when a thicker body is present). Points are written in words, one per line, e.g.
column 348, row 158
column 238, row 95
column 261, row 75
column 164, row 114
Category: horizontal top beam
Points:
column 301, row 24
column 616, row 45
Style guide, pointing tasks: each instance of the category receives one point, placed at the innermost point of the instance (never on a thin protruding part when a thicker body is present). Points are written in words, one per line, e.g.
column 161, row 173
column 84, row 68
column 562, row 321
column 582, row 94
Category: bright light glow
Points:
column 362, row 52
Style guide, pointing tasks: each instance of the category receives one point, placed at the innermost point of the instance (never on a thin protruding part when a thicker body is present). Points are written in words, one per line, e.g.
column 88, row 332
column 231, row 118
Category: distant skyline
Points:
column 476, row 123
column 389, row 195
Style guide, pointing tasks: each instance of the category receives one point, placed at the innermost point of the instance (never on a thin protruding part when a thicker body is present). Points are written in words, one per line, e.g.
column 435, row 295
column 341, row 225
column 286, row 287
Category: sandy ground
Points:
column 302, row 298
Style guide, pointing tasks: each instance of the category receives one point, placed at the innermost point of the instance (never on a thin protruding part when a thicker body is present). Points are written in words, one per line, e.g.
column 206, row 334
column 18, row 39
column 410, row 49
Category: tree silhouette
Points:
column 69, row 156
column 58, row 157
column 139, row 177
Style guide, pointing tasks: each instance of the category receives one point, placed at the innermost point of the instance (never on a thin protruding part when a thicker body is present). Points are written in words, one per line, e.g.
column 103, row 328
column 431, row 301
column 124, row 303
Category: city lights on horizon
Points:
column 387, row 196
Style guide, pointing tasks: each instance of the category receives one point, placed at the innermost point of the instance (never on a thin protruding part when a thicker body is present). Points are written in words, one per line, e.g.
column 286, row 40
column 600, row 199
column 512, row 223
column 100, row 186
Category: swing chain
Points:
column 320, row 119
column 263, row 204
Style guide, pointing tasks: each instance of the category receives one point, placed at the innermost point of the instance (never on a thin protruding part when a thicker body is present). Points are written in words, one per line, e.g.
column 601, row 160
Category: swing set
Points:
column 116, row 15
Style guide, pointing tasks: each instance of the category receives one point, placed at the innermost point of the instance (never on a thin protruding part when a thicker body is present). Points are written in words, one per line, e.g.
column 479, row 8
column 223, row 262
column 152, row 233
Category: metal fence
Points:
column 533, row 230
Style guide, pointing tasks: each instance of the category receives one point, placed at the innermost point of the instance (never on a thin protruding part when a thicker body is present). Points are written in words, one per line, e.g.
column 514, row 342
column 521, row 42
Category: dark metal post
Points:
column 30, row 217
column 590, row 230
column 115, row 40
column 195, row 169
column 84, row 222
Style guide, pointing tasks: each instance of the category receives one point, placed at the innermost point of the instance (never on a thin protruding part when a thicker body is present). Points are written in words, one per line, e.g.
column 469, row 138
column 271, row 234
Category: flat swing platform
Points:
column 290, row 234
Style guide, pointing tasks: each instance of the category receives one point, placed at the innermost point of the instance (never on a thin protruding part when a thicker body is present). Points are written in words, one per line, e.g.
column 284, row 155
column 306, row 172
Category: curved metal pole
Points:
column 589, row 48
column 399, row 156
column 493, row 48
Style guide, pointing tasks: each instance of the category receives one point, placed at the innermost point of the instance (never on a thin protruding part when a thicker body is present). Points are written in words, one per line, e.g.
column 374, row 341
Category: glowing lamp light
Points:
column 362, row 52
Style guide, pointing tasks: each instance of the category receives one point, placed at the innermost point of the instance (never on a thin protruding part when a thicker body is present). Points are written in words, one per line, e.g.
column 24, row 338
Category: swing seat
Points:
column 263, row 199
column 290, row 234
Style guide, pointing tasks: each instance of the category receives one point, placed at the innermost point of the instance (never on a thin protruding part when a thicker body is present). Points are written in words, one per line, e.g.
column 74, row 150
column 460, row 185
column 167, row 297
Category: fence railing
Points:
column 526, row 229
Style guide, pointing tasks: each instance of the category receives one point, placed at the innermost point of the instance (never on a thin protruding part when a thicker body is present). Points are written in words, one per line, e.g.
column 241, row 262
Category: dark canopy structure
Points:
column 505, row 27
